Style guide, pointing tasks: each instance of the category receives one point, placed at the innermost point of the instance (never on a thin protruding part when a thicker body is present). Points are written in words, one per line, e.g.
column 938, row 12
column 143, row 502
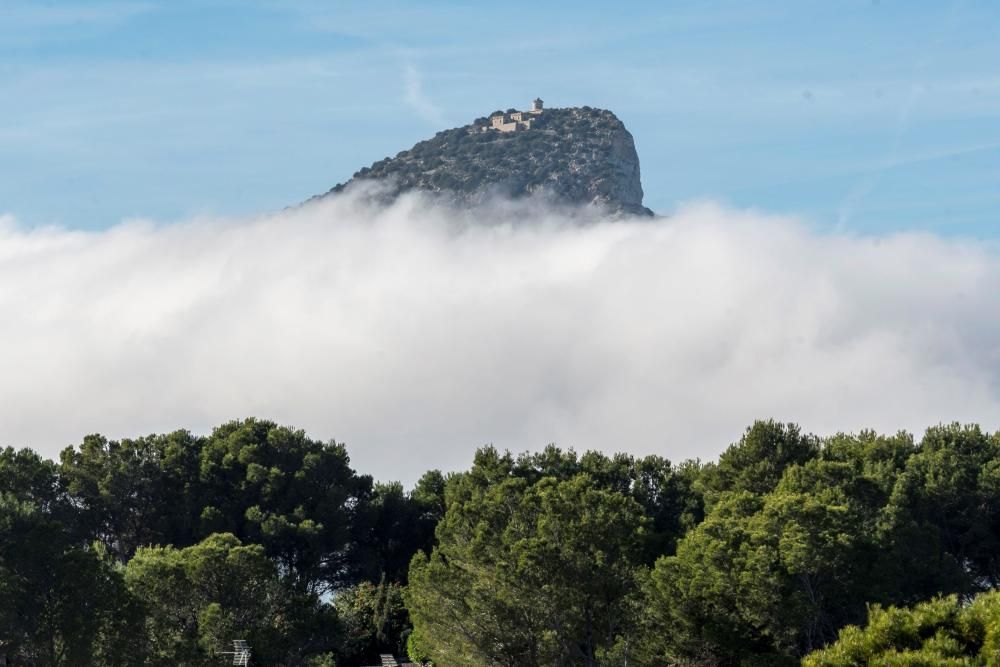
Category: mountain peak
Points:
column 576, row 155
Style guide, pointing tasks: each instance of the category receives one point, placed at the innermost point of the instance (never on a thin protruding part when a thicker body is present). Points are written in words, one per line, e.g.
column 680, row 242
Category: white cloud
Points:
column 417, row 100
column 415, row 333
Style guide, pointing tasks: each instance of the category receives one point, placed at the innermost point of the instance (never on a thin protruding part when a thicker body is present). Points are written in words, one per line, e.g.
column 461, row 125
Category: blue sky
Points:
column 865, row 117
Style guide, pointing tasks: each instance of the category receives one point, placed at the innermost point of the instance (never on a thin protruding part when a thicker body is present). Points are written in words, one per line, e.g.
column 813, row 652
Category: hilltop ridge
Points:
column 575, row 155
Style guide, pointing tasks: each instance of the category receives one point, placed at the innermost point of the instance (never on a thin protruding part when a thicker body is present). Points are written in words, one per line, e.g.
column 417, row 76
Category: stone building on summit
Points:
column 515, row 120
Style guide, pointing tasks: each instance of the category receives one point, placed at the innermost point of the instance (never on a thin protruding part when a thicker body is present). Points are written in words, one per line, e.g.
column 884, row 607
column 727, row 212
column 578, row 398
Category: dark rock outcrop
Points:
column 575, row 155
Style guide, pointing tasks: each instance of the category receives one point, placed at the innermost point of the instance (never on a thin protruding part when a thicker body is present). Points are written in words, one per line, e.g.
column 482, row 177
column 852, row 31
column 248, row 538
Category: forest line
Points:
column 159, row 550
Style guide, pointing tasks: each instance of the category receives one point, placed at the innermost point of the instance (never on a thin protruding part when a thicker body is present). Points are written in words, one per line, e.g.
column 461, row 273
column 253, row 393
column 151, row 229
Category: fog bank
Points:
column 415, row 333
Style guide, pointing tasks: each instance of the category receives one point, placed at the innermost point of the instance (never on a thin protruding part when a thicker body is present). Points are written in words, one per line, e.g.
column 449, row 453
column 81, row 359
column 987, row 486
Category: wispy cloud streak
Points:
column 417, row 99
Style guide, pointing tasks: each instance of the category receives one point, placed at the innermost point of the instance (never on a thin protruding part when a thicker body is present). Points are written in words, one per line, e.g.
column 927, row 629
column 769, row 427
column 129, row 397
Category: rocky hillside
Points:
column 575, row 155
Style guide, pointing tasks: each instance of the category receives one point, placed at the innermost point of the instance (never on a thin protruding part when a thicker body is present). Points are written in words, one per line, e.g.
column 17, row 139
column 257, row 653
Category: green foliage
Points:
column 274, row 486
column 133, row 492
column 428, row 494
column 526, row 573
column 666, row 493
column 29, row 477
column 262, row 482
column 757, row 461
column 945, row 505
column 768, row 578
column 417, row 649
column 393, row 525
column 59, row 604
column 799, row 537
column 939, row 632
column 374, row 621
column 159, row 550
column 199, row 598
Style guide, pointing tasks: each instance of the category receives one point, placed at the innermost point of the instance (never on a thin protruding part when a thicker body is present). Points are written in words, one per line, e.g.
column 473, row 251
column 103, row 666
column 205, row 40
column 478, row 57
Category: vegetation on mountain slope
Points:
column 574, row 155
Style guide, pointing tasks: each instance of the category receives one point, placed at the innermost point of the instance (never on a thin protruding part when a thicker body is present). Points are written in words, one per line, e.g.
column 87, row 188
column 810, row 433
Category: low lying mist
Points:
column 416, row 332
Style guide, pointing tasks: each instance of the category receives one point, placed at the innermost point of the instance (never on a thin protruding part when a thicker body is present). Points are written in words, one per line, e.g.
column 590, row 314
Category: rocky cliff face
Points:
column 575, row 155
